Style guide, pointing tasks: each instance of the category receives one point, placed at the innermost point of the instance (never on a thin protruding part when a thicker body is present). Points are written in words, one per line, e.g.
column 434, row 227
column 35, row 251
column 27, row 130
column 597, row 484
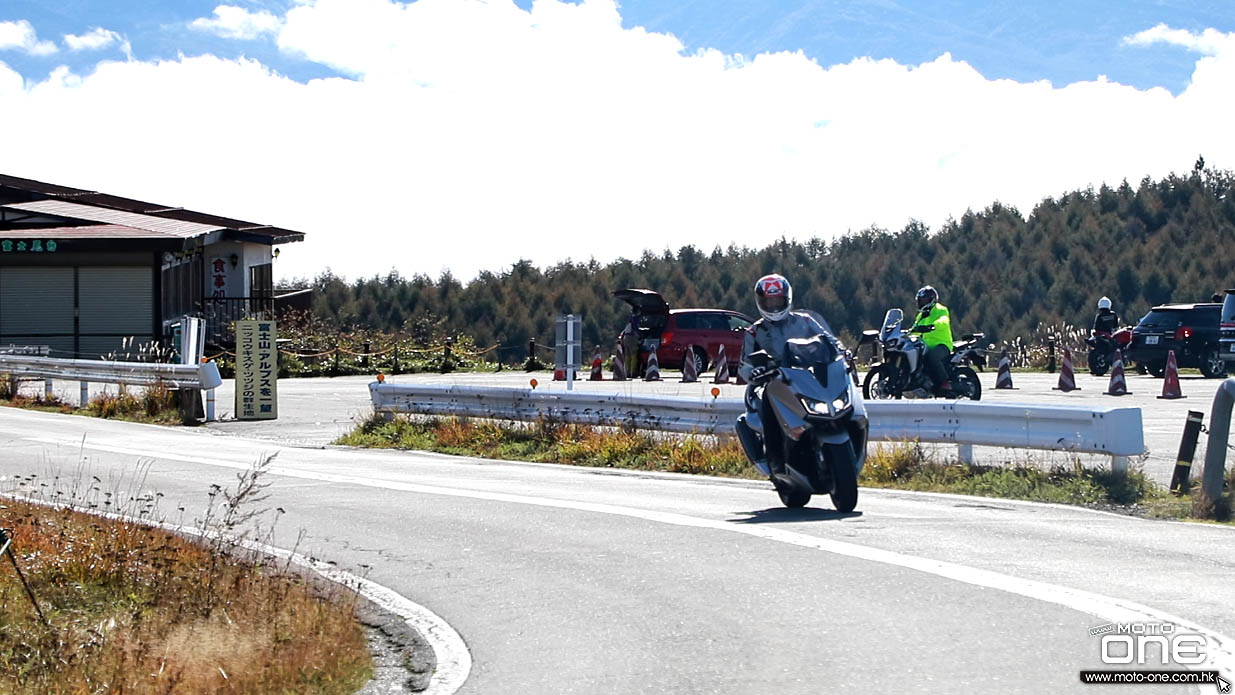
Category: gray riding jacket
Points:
column 773, row 336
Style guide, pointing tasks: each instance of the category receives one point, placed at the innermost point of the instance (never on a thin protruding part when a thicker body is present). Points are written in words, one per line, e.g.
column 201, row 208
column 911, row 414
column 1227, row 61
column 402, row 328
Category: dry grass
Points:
column 554, row 442
column 133, row 608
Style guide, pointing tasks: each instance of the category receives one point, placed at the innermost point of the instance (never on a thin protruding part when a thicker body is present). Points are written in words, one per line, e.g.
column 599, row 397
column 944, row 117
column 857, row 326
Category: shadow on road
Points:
column 783, row 514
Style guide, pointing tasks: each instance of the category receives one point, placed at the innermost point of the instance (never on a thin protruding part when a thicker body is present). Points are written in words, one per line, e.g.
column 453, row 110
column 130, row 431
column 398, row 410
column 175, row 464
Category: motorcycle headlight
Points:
column 837, row 406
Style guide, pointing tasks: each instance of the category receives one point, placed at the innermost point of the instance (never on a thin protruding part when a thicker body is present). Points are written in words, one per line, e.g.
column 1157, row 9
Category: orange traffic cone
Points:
column 1067, row 380
column 598, row 368
column 1170, row 381
column 652, row 371
column 619, row 363
column 1004, row 380
column 1119, row 385
column 690, row 373
column 722, row 367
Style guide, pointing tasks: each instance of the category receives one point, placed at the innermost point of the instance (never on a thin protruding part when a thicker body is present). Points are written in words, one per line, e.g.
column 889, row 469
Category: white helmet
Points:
column 774, row 297
column 1104, row 303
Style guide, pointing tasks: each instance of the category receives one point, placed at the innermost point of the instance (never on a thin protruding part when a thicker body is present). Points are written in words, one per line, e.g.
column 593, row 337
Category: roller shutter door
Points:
column 115, row 302
column 36, row 308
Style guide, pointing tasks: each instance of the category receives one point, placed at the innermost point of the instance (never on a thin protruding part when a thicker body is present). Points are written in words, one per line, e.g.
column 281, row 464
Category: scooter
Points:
column 821, row 419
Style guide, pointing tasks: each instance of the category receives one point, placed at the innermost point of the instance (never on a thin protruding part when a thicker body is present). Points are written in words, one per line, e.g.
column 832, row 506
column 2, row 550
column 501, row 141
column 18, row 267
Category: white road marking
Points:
column 1222, row 647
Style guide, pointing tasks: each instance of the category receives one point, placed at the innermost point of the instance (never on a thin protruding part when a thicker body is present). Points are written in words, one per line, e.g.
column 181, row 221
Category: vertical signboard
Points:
column 257, row 371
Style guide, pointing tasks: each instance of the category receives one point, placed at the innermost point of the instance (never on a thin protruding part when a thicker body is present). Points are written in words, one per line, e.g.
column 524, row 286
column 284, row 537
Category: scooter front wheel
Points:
column 843, row 463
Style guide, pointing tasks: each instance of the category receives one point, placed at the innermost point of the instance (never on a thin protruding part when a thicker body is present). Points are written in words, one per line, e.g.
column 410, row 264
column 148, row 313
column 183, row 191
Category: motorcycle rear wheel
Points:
column 1098, row 363
column 967, row 384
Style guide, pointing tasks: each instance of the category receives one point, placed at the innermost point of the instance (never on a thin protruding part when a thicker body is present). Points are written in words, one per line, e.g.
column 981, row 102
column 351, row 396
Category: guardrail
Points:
column 1115, row 432
column 204, row 376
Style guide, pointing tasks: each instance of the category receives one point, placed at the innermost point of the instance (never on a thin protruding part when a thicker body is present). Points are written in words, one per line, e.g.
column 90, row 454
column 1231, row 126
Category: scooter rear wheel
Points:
column 793, row 498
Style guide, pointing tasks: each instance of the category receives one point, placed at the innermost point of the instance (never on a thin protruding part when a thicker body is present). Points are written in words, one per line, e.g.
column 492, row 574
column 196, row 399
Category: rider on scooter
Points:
column 774, row 297
column 934, row 325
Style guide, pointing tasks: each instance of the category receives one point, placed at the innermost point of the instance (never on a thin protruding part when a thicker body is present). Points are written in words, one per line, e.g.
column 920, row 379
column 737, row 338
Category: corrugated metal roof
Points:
column 93, row 231
column 104, row 201
column 90, row 213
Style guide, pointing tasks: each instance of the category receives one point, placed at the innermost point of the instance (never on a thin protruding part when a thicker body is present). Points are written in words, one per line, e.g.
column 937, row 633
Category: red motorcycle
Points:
column 1102, row 347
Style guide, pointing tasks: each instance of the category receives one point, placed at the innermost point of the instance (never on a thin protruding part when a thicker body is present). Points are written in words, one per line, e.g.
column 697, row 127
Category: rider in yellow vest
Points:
column 934, row 326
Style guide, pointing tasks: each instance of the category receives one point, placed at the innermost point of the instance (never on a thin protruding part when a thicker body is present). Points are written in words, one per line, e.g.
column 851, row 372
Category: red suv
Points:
column 676, row 333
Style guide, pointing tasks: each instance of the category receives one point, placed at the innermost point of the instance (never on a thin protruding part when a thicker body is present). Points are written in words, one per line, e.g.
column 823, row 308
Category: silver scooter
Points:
column 821, row 418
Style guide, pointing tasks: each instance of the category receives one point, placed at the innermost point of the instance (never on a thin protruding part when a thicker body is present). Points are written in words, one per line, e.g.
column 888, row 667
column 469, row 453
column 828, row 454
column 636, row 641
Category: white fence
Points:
column 204, row 376
column 1116, row 432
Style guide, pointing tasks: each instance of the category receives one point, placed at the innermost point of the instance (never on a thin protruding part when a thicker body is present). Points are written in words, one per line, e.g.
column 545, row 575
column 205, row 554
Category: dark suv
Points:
column 1191, row 330
column 676, row 333
column 1226, row 337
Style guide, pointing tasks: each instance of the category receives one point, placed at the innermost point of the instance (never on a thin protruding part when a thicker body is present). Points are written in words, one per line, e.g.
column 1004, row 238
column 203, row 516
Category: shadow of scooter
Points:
column 789, row 514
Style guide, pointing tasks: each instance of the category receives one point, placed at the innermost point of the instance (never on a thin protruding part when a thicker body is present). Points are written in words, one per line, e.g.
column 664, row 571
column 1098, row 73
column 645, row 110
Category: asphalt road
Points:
column 573, row 580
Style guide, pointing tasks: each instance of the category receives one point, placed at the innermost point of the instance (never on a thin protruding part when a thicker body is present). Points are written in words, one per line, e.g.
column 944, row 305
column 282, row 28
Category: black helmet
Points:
column 927, row 296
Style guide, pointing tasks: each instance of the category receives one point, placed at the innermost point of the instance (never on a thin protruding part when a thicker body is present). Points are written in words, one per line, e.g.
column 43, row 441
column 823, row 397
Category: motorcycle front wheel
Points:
column 967, row 384
column 878, row 383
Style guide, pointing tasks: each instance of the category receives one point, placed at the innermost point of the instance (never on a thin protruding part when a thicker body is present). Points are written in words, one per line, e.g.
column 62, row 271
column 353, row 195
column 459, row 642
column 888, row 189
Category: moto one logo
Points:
column 1140, row 643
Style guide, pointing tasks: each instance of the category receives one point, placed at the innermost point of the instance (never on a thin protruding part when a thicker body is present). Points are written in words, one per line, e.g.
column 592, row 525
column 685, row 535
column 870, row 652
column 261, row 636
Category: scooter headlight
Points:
column 837, row 406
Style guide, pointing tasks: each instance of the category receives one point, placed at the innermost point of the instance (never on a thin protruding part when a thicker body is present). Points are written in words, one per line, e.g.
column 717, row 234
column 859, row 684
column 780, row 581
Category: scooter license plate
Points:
column 1151, row 340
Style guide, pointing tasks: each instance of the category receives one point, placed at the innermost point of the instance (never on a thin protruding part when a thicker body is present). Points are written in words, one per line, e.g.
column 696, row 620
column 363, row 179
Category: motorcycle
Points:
column 903, row 373
column 821, row 418
column 1102, row 347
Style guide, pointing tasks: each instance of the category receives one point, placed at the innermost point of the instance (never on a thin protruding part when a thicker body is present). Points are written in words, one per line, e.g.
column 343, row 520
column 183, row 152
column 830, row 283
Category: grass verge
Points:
column 905, row 466
column 136, row 609
column 153, row 404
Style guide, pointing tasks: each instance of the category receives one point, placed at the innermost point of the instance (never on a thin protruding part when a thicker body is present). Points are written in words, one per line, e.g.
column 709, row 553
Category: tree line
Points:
column 1000, row 272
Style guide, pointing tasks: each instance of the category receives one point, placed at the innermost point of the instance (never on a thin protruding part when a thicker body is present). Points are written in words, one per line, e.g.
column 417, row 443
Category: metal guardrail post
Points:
column 1187, row 450
column 1219, row 434
column 85, row 393
column 47, row 389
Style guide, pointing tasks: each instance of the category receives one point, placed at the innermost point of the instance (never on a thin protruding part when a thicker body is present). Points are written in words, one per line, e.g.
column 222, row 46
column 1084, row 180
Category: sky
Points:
column 465, row 135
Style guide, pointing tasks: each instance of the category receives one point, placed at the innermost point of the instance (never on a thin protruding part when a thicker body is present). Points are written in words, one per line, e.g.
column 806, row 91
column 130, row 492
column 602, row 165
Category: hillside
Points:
column 999, row 271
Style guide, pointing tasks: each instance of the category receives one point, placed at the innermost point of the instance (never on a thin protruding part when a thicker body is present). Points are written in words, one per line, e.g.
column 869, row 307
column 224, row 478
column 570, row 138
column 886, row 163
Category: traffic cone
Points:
column 1119, row 385
column 722, row 367
column 652, row 371
column 1004, row 380
column 689, row 373
column 559, row 375
column 598, row 367
column 619, row 363
column 1170, row 381
column 1067, row 380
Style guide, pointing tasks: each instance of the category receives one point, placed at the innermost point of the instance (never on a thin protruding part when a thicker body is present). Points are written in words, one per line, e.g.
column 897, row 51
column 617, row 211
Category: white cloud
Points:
column 1209, row 42
column 233, row 22
column 20, row 35
column 475, row 133
column 96, row 39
